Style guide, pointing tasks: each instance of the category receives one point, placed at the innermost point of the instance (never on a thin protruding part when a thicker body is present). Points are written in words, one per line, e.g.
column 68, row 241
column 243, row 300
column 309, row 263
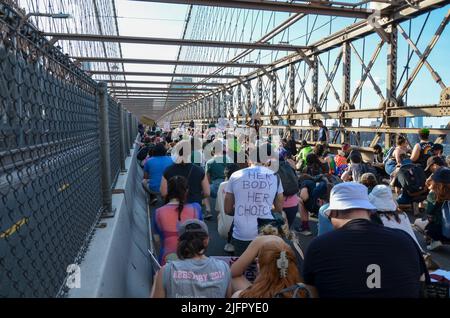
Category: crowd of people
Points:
column 365, row 244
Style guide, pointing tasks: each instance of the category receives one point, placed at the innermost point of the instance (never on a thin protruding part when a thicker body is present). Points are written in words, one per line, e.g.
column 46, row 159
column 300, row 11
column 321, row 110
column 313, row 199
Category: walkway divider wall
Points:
column 117, row 263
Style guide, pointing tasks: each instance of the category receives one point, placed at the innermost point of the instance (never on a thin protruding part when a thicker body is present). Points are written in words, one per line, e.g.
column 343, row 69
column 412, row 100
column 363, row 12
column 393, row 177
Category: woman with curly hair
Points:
column 277, row 269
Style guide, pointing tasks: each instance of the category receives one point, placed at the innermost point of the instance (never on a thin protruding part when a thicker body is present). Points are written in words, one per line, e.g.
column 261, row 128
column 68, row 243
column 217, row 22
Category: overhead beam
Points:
column 166, row 62
column 268, row 5
column 167, row 41
column 156, row 93
column 161, row 74
column 130, row 88
column 162, row 83
column 139, row 98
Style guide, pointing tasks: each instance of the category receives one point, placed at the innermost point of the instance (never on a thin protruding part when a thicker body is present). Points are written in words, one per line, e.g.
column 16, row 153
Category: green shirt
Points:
column 215, row 167
column 304, row 152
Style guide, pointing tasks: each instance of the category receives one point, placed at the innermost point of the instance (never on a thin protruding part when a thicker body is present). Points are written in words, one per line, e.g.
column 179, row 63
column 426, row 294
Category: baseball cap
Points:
column 349, row 195
column 434, row 160
column 442, row 175
column 193, row 225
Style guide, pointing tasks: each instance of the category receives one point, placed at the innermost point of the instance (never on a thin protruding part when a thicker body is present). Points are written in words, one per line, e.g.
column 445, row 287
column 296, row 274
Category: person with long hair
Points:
column 393, row 164
column 175, row 211
column 193, row 275
column 437, row 200
column 277, row 269
column 388, row 214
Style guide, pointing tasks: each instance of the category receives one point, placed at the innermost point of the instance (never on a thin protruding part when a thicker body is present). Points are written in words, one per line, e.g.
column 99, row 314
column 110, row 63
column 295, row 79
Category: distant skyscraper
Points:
column 416, row 122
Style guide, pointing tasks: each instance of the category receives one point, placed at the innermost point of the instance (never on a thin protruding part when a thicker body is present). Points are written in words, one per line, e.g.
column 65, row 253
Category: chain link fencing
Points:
column 50, row 160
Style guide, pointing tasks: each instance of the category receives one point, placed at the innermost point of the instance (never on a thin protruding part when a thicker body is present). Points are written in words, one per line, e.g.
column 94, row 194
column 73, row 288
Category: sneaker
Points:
column 229, row 248
column 434, row 245
column 207, row 215
column 420, row 224
column 305, row 232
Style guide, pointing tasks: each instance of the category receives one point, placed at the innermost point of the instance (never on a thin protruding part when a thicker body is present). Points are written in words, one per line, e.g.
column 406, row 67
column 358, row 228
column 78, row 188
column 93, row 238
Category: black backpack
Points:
column 289, row 178
column 412, row 179
column 142, row 154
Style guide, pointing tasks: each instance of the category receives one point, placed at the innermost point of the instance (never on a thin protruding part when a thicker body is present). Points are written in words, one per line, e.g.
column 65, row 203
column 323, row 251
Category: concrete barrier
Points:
column 117, row 263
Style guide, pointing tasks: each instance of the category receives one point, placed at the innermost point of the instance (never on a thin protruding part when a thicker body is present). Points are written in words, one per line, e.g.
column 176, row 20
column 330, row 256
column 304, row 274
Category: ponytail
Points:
column 177, row 188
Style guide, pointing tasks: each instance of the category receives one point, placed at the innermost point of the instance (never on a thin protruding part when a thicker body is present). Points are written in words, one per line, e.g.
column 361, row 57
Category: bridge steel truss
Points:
column 273, row 93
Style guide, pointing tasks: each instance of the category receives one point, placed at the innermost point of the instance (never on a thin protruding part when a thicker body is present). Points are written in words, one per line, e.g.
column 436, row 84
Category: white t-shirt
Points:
column 254, row 191
column 404, row 225
column 223, row 220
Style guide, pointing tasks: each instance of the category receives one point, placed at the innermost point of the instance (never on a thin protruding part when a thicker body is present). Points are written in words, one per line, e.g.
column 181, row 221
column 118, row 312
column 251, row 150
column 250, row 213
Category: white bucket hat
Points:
column 381, row 197
column 349, row 195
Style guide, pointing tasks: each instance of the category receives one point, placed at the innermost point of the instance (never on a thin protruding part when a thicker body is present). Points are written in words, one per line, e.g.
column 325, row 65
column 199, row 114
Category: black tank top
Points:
column 426, row 152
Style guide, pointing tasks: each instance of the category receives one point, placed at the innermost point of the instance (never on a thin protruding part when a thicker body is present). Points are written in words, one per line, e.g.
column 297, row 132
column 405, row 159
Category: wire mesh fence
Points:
column 114, row 137
column 50, row 160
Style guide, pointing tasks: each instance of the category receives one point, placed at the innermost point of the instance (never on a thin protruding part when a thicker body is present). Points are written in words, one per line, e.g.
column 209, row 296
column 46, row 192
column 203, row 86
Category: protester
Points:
column 215, row 168
column 324, row 134
column 433, row 164
column 194, row 275
column 387, row 210
column 153, row 171
column 314, row 165
column 277, row 269
column 302, row 154
column 422, row 150
column 291, row 144
column 169, row 216
column 437, row 201
column 438, row 150
column 224, row 221
column 369, row 180
column 197, row 180
column 289, row 180
column 311, row 190
column 361, row 258
column 340, row 161
column 394, row 162
column 411, row 180
column 250, row 194
column 356, row 168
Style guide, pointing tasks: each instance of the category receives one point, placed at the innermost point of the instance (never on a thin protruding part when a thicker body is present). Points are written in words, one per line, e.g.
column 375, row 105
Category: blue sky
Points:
column 166, row 20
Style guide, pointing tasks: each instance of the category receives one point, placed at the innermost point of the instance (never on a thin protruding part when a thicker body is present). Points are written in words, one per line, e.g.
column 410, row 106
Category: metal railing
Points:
column 55, row 122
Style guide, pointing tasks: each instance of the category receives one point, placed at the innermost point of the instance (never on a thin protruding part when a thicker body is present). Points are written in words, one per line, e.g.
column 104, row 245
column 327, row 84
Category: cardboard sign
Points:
column 166, row 126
